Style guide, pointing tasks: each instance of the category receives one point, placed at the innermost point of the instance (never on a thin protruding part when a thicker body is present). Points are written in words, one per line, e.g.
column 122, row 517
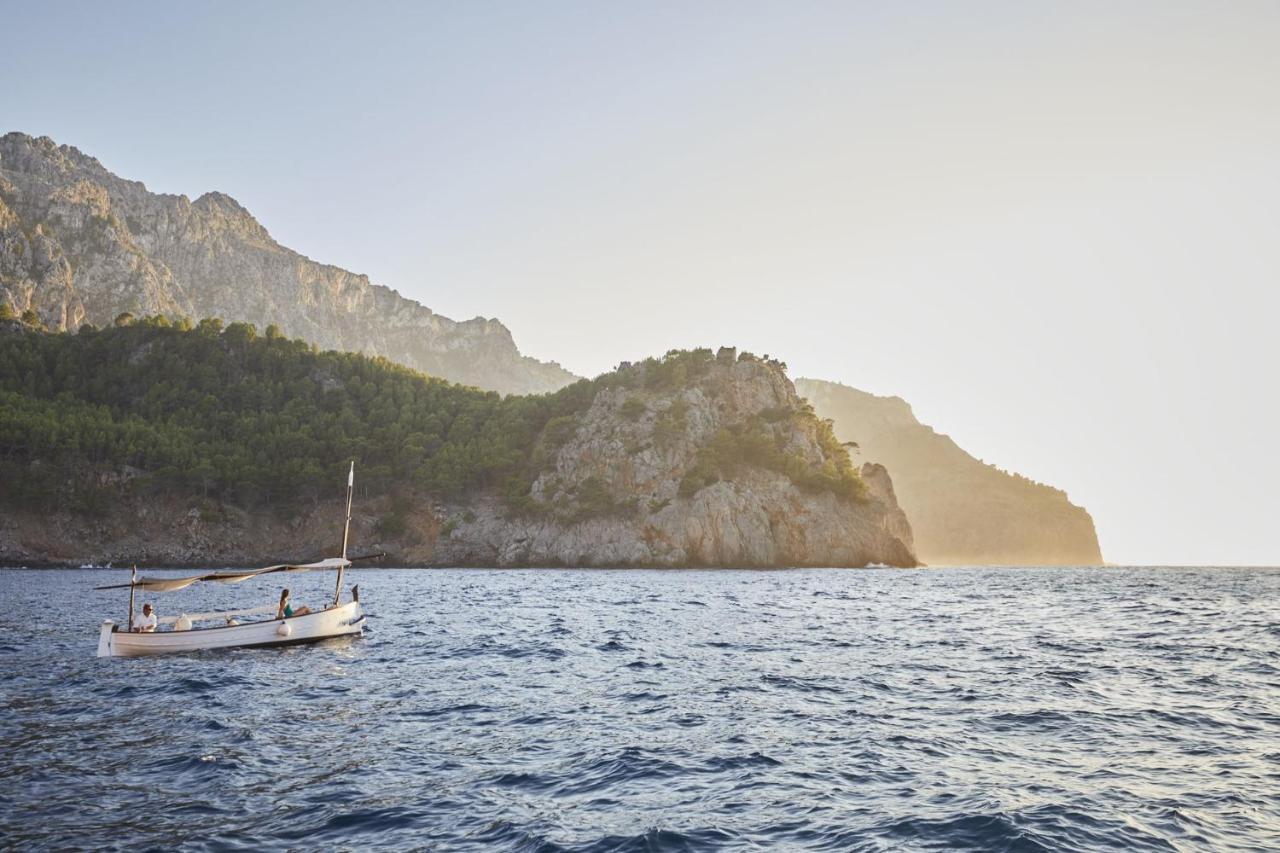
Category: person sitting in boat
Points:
column 287, row 609
column 145, row 622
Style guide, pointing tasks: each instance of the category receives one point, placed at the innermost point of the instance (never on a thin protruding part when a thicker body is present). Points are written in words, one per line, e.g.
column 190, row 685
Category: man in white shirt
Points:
column 146, row 622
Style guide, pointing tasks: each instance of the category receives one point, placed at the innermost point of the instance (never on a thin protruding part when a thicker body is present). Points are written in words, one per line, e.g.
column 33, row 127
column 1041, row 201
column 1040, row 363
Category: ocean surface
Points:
column 1016, row 709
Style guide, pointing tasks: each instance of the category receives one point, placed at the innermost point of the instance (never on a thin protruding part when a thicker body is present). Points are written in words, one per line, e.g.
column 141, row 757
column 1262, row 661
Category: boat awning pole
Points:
column 346, row 529
column 133, row 579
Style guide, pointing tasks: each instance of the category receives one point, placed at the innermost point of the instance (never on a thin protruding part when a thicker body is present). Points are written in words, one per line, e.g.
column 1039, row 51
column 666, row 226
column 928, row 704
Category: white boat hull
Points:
column 344, row 620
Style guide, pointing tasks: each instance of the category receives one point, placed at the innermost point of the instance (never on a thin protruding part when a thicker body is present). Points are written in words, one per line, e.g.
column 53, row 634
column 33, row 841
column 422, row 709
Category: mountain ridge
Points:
column 81, row 244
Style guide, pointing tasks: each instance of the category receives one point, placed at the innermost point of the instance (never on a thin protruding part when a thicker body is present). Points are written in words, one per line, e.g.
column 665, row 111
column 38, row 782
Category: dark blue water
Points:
column 546, row 710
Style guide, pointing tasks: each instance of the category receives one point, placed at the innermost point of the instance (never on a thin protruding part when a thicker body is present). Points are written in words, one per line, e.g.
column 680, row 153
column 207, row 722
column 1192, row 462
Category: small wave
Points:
column 740, row 762
column 490, row 647
column 645, row 696
column 1073, row 648
column 631, row 764
column 190, row 767
column 662, row 841
column 194, row 685
column 448, row 711
column 795, row 682
column 548, row 652
column 347, row 824
column 967, row 831
column 1035, row 719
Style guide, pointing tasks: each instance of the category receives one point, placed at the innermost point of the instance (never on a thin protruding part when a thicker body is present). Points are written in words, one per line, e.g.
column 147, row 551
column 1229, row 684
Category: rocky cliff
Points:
column 724, row 467
column 963, row 511
column 80, row 245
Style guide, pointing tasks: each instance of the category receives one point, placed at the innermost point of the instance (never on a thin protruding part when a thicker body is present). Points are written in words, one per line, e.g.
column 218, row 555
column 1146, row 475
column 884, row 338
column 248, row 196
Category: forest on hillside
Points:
column 150, row 406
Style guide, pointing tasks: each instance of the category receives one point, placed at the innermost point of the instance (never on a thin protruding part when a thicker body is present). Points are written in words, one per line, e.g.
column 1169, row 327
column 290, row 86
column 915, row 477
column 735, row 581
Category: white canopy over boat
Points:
column 175, row 584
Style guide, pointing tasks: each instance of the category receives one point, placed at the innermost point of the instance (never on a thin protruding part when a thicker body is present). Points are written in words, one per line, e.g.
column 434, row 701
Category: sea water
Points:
column 1014, row 709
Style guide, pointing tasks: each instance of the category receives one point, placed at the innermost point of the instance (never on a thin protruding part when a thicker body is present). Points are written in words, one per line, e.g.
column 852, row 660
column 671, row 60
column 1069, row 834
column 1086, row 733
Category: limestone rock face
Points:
column 963, row 511
column 79, row 244
column 895, row 519
column 618, row 491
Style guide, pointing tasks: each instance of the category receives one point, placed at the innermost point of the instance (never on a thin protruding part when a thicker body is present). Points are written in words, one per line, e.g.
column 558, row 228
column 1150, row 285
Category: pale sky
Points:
column 1052, row 227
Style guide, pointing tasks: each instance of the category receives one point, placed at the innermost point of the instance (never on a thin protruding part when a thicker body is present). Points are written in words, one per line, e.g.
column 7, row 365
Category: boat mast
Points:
column 346, row 529
column 133, row 580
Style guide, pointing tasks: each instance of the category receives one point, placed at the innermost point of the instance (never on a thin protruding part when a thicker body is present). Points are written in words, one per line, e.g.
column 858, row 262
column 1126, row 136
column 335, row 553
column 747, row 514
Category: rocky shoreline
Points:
column 171, row 536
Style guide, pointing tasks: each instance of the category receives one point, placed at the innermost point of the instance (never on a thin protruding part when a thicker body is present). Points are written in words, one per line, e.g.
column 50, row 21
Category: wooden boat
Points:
column 338, row 620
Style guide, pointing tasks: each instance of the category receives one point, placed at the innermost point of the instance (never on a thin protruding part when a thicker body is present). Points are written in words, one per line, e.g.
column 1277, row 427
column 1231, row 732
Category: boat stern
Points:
column 105, row 637
column 351, row 618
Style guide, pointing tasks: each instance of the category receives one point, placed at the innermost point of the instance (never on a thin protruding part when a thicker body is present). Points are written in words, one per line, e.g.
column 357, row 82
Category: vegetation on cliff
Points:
column 224, row 413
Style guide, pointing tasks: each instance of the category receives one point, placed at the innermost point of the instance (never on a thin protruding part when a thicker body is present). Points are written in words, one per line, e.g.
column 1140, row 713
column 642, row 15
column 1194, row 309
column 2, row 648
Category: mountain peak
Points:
column 220, row 201
column 22, row 152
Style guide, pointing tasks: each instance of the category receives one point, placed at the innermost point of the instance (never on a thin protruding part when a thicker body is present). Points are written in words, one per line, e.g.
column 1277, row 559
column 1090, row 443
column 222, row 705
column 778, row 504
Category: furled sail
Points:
column 174, row 584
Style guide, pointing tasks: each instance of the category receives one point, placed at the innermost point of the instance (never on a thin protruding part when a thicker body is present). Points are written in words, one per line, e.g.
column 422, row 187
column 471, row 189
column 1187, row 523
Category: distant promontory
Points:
column 963, row 511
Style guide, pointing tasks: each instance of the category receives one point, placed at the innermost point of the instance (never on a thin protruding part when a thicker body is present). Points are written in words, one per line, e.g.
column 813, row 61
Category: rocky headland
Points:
column 727, row 468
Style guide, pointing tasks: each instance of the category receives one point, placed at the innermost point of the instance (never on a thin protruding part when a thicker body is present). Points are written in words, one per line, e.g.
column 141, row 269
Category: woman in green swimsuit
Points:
column 286, row 609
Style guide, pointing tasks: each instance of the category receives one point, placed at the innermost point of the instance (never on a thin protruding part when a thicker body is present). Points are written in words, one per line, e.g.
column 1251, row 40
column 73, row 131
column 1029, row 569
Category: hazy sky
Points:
column 1053, row 228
